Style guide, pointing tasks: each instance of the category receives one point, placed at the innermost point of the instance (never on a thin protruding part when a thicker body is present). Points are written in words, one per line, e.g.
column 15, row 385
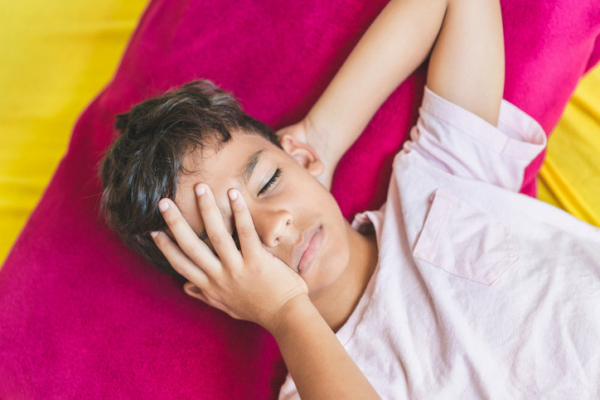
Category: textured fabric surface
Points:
column 570, row 176
column 80, row 313
column 56, row 56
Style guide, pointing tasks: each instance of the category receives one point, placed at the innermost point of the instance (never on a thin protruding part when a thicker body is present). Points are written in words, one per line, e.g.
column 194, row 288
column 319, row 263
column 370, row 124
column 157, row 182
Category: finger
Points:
column 216, row 230
column 179, row 261
column 250, row 243
column 186, row 238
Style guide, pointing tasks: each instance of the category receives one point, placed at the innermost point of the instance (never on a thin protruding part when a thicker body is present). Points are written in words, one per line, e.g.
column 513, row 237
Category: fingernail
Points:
column 154, row 234
column 200, row 190
column 164, row 206
column 233, row 194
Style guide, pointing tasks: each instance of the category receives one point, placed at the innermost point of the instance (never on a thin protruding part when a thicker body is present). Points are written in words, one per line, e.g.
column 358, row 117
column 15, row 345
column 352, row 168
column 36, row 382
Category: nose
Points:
column 271, row 226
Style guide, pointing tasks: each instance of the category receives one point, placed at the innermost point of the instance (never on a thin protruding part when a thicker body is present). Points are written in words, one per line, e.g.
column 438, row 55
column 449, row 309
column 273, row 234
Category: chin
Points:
column 329, row 269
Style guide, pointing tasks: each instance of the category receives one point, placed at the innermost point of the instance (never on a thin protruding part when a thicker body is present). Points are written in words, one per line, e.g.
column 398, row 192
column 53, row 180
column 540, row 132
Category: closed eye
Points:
column 271, row 182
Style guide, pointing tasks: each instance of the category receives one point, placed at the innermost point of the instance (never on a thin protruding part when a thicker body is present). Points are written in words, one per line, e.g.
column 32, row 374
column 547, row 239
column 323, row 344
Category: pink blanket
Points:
column 81, row 315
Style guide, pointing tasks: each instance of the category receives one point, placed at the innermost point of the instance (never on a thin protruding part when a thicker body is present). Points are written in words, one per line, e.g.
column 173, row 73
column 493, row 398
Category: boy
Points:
column 444, row 293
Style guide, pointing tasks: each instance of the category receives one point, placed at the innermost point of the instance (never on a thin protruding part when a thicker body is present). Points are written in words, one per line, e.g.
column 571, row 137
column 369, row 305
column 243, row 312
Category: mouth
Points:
column 306, row 251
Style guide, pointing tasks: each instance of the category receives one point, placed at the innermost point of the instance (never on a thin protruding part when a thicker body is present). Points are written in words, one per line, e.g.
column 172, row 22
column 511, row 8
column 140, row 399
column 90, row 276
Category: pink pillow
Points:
column 81, row 315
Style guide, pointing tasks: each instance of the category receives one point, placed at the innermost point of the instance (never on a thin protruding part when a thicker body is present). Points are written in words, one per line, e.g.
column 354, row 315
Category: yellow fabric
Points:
column 56, row 55
column 570, row 176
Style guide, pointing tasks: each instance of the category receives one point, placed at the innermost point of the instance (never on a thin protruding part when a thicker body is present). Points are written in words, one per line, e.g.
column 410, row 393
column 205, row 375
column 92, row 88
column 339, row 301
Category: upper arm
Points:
column 467, row 61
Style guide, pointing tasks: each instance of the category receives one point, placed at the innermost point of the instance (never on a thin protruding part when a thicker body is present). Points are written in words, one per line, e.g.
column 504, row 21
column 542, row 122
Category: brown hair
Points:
column 143, row 164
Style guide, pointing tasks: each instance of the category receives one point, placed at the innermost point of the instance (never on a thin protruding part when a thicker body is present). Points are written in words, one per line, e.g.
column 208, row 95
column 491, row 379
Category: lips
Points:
column 301, row 247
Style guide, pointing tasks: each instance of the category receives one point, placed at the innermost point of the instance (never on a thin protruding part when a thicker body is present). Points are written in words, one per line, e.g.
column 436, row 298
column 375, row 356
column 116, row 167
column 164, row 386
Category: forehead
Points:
column 214, row 163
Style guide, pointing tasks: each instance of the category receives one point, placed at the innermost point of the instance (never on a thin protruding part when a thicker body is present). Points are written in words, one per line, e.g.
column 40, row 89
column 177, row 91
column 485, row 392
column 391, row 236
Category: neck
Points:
column 337, row 302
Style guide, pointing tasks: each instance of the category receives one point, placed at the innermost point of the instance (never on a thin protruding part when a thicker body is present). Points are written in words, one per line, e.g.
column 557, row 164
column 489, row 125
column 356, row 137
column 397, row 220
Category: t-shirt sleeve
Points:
column 288, row 391
column 463, row 144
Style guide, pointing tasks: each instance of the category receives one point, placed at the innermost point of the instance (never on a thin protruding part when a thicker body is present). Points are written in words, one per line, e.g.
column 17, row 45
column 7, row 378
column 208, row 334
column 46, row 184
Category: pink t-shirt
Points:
column 480, row 292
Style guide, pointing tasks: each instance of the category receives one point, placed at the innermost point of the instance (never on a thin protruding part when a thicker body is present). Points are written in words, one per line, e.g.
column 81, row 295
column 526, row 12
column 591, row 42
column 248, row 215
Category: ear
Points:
column 192, row 290
column 304, row 154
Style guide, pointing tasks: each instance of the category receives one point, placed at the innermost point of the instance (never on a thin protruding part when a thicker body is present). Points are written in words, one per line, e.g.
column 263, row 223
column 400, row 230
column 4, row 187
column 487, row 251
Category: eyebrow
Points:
column 250, row 165
column 248, row 170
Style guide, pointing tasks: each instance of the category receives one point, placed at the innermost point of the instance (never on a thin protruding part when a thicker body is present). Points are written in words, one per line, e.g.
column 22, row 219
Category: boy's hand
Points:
column 250, row 284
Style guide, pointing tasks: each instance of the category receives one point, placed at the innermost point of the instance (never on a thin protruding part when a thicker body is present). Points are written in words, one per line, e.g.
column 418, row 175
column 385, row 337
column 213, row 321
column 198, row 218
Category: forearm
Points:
column 397, row 42
column 320, row 366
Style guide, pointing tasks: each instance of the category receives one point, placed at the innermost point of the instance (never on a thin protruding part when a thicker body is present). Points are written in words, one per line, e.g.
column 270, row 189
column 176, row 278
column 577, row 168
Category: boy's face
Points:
column 296, row 218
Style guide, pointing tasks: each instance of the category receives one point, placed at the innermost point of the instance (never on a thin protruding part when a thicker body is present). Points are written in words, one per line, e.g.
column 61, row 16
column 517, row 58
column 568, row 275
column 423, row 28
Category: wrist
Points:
column 295, row 312
column 317, row 135
column 321, row 138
